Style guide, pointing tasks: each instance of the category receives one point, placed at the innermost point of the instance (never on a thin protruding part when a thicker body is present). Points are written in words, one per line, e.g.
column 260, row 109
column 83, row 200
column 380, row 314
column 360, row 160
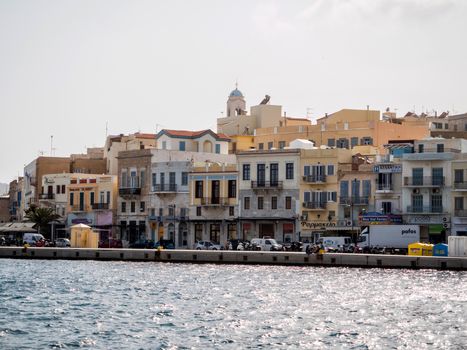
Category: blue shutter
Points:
column 344, row 189
column 306, row 170
column 306, row 197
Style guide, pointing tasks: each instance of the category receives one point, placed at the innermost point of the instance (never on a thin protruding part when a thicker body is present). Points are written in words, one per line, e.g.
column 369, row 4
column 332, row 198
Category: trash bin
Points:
column 440, row 249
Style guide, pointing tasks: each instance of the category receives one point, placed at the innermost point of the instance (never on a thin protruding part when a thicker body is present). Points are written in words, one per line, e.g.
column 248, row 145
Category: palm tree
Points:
column 41, row 216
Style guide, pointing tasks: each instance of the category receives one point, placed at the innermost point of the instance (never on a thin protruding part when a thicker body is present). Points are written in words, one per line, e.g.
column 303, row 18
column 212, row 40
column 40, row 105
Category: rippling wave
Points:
column 124, row 305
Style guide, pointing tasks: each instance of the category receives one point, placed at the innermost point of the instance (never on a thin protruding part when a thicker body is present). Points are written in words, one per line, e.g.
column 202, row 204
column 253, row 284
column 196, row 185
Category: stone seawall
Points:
column 239, row 257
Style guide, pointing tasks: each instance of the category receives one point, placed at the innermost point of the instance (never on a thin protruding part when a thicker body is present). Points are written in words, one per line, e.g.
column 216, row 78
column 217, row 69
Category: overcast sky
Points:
column 69, row 67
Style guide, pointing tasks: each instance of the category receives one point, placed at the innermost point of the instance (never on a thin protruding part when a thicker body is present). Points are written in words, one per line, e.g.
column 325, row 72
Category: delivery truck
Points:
column 391, row 237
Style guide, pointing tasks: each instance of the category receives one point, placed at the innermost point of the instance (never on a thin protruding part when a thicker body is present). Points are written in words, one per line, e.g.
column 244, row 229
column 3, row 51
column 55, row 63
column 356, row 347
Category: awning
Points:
column 19, row 227
column 435, row 229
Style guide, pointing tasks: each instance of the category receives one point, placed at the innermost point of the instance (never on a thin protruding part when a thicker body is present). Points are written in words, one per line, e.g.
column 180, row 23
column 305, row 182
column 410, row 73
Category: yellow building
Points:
column 213, row 202
column 320, row 172
column 346, row 128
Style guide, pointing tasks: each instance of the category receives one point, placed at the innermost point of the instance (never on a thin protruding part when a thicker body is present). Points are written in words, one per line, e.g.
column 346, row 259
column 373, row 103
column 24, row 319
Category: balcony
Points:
column 354, row 200
column 100, row 206
column 78, row 207
column 314, row 178
column 462, row 213
column 45, row 196
column 155, row 218
column 214, row 201
column 164, row 188
column 258, row 185
column 129, row 191
column 460, row 185
column 425, row 209
column 425, row 181
column 314, row 205
column 384, row 187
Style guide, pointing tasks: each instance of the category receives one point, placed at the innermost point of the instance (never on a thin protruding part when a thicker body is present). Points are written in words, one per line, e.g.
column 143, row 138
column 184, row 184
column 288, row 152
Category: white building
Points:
column 206, row 141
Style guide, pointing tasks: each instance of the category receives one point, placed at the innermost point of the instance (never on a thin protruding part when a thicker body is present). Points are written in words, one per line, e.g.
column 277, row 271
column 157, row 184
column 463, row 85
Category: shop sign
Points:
column 81, row 189
column 380, row 219
column 314, row 225
column 387, row 168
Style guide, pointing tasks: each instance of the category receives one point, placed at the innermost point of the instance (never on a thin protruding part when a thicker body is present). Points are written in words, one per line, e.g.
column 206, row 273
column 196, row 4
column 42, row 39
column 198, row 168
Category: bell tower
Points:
column 236, row 104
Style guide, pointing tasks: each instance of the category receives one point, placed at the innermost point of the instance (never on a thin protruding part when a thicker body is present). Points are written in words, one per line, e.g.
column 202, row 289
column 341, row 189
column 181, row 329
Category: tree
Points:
column 41, row 216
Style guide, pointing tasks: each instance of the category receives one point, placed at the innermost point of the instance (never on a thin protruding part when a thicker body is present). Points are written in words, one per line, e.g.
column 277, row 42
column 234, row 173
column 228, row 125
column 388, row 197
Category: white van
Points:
column 267, row 244
column 33, row 239
column 335, row 242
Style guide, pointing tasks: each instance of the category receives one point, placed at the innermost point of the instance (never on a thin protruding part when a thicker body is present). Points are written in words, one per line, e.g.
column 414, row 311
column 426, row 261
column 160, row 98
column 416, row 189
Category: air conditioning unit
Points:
column 445, row 219
column 304, row 217
column 446, row 225
column 348, row 223
column 436, row 190
column 416, row 191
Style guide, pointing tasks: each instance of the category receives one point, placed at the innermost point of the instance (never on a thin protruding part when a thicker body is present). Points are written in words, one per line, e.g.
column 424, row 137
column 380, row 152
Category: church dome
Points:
column 236, row 93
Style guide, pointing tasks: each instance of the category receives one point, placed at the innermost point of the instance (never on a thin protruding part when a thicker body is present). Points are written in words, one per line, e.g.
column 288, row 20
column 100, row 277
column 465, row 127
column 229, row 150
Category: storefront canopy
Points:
column 17, row 227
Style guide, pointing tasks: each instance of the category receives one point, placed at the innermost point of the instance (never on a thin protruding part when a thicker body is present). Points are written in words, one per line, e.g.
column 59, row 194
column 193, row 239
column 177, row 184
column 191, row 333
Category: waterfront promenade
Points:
column 240, row 257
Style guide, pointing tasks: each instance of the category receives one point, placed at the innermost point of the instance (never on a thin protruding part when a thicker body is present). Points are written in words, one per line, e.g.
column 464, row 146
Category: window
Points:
column 260, row 203
column 417, row 203
column 171, row 210
column 270, row 145
column 465, row 127
column 123, row 207
column 198, row 232
column 437, row 176
column 288, row 202
column 446, row 126
column 420, row 148
column 331, row 142
column 63, row 188
column 57, row 189
column 231, row 211
column 289, row 171
column 232, row 190
column 343, row 143
column 124, row 182
column 172, row 178
column 108, row 197
column 261, row 174
column 274, row 174
column 246, row 203
column 154, row 179
column 218, row 148
column 281, row 144
column 366, row 188
column 436, row 203
column 367, row 141
column 417, row 175
column 260, row 145
column 386, row 207
column 458, row 175
column 72, row 197
column 330, row 169
column 132, row 207
column 198, row 211
column 440, row 148
column 331, row 196
column 344, row 189
column 184, row 178
column 161, row 212
column 142, row 207
column 458, row 203
column 306, row 170
column 199, row 189
column 164, row 144
column 353, row 142
column 162, row 179
column 181, row 146
column 91, row 198
column 101, row 197
column 215, row 233
column 273, row 202
column 246, row 172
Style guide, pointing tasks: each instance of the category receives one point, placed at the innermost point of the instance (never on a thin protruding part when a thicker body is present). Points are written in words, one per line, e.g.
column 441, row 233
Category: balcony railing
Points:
column 428, row 181
column 460, row 185
column 159, row 188
column 354, row 200
column 266, row 184
column 129, row 191
column 78, row 207
column 460, row 213
column 314, row 205
column 155, row 218
column 425, row 209
column 100, row 206
column 314, row 178
column 214, row 201
column 47, row 196
column 384, row 187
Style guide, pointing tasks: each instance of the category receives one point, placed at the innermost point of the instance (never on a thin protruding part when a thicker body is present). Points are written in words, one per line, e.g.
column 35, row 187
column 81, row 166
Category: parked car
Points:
column 207, row 245
column 62, row 242
column 165, row 244
column 112, row 243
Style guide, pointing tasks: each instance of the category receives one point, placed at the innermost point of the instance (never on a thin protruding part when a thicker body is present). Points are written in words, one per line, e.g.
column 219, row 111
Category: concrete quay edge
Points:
column 240, row 257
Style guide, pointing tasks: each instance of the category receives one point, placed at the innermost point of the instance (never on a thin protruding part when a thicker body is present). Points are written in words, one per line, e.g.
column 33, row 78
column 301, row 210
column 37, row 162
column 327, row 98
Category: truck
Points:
column 390, row 237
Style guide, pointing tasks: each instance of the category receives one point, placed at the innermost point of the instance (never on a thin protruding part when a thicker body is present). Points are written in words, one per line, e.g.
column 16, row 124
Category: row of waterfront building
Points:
column 261, row 174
